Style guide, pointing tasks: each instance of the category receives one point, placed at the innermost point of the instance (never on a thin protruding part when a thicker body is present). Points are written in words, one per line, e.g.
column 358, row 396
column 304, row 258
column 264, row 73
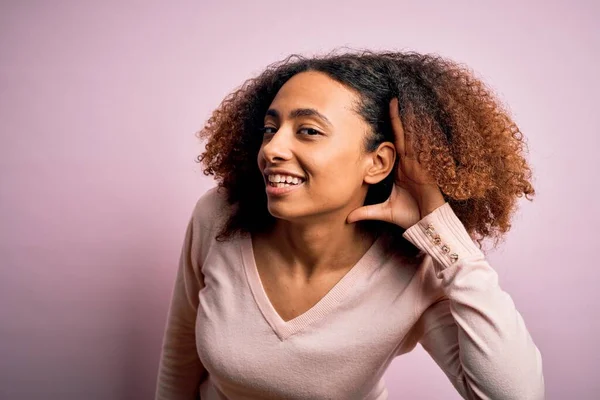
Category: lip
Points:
column 276, row 191
column 279, row 171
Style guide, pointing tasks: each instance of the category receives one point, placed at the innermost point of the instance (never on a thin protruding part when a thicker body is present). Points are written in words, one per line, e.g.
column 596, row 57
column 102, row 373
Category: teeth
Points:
column 280, row 184
column 285, row 179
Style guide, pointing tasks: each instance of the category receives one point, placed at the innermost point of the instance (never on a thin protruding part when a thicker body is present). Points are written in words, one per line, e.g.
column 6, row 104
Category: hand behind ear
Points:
column 414, row 194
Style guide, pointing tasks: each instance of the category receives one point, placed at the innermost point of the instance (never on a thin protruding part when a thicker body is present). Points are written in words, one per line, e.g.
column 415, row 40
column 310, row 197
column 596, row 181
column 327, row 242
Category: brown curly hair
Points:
column 462, row 134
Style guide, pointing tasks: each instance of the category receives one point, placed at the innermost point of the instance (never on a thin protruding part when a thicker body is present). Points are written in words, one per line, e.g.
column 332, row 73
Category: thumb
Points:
column 375, row 211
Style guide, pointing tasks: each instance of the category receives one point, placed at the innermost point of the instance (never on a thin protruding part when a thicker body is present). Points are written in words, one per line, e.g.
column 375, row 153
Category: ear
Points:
column 380, row 163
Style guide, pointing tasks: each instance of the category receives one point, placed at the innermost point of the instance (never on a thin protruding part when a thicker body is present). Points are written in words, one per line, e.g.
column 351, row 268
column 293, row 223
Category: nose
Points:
column 277, row 146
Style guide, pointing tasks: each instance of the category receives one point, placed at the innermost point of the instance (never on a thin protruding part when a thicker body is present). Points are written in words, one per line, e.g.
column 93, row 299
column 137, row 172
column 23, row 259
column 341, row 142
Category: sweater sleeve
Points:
column 180, row 370
column 473, row 330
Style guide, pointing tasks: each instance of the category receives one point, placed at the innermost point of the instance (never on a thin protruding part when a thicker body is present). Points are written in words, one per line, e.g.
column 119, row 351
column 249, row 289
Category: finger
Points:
column 371, row 212
column 397, row 127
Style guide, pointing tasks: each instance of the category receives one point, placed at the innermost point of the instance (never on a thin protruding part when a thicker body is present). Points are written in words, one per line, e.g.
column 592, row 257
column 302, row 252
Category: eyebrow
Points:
column 301, row 112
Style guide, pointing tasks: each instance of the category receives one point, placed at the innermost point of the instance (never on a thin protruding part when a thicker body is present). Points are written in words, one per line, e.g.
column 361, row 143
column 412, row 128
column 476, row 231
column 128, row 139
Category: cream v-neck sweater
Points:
column 224, row 340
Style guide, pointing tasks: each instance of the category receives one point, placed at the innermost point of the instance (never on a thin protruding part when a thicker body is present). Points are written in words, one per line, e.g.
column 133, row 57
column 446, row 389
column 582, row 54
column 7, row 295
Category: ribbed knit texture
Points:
column 225, row 340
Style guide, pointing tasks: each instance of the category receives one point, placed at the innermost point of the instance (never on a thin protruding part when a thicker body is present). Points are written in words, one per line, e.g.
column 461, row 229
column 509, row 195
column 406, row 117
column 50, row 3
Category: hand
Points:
column 414, row 194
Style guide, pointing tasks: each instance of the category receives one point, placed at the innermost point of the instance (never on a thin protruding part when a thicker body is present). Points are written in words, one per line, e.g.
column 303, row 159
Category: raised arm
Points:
column 180, row 370
column 472, row 330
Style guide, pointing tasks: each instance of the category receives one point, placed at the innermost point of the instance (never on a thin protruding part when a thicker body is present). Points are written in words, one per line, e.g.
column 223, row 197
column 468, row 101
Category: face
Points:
column 313, row 140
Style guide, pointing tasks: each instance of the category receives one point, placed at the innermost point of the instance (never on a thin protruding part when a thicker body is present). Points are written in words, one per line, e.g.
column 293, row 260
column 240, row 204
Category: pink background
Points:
column 98, row 108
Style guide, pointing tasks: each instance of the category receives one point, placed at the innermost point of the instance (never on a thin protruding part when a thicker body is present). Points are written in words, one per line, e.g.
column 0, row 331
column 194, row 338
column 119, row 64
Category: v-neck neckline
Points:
column 327, row 303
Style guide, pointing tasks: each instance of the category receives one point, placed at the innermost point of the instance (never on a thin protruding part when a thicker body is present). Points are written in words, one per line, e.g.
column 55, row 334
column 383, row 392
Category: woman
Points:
column 351, row 190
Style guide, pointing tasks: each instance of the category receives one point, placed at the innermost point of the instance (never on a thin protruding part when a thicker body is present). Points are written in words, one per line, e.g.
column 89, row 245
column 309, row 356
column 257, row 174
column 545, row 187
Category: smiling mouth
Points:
column 282, row 181
column 281, row 184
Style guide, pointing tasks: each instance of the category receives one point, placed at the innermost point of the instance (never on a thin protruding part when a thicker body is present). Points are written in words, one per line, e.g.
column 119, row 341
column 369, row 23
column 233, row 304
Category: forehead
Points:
column 313, row 89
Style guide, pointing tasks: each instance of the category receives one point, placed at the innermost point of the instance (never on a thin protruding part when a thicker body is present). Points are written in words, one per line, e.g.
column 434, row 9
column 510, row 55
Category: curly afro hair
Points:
column 462, row 134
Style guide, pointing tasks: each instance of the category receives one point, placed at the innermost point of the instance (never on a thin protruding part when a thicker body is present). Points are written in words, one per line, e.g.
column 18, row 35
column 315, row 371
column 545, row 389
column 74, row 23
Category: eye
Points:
column 310, row 131
column 267, row 130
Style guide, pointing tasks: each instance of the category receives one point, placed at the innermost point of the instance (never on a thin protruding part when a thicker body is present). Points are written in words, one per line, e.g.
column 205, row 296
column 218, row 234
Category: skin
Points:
column 415, row 193
column 314, row 235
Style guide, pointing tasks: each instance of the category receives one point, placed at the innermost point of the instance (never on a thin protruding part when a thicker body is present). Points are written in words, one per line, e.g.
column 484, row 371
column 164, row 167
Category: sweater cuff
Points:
column 443, row 236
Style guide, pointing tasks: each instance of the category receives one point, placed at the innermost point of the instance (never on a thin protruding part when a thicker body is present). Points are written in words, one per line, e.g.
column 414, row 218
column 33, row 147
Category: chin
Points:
column 278, row 212
column 285, row 213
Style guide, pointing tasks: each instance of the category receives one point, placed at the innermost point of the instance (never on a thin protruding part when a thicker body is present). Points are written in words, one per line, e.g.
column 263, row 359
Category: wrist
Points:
column 429, row 200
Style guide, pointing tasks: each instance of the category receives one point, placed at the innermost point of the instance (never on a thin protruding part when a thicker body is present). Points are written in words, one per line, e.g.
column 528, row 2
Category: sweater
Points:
column 224, row 340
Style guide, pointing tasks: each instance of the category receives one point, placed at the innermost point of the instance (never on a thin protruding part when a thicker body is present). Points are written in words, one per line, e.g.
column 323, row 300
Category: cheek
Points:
column 340, row 166
column 260, row 160
column 332, row 192
column 337, row 180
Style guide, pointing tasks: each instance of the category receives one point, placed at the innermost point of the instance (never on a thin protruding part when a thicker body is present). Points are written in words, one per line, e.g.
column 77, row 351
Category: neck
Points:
column 327, row 245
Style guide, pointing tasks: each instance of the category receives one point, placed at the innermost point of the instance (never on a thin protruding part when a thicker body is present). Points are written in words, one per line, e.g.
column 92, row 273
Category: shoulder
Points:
column 211, row 211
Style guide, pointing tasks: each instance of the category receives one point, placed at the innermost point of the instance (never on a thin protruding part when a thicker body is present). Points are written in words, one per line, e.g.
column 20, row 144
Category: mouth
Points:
column 282, row 184
column 277, row 180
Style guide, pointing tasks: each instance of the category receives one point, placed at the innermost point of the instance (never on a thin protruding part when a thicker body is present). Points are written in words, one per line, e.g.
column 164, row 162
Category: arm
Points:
column 180, row 370
column 473, row 330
